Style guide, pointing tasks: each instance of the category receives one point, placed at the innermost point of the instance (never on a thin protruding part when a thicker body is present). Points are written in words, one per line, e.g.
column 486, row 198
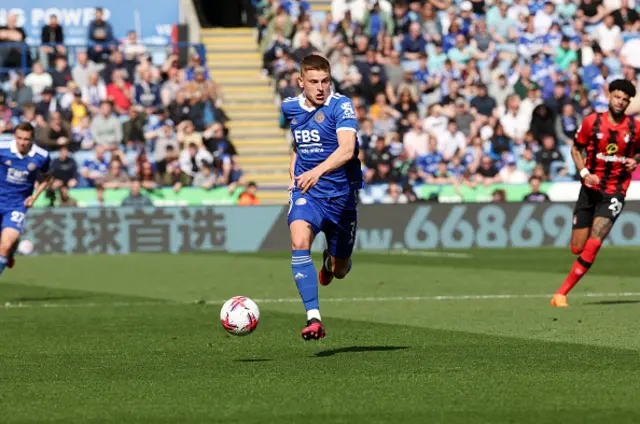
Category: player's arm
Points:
column 39, row 188
column 577, row 154
column 342, row 155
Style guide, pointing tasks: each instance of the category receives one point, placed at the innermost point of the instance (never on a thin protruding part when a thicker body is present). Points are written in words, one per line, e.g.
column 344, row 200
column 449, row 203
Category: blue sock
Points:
column 3, row 263
column 304, row 274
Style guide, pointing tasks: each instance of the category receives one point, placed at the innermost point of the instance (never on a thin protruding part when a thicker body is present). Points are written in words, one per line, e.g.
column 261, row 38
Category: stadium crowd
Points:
column 464, row 92
column 111, row 117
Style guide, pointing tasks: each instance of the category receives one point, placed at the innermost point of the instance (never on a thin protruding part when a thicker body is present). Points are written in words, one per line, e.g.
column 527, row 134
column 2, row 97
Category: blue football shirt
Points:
column 315, row 131
column 18, row 173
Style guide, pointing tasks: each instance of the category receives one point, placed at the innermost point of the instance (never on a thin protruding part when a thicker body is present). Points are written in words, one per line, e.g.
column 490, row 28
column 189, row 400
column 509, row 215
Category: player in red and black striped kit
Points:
column 605, row 153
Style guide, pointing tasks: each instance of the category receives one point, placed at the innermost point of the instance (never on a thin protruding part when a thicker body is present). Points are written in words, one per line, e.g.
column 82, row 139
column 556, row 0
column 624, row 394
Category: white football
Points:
column 239, row 316
column 25, row 247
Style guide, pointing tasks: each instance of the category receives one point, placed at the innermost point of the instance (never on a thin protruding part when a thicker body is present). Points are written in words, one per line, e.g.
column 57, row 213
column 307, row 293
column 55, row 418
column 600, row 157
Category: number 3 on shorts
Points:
column 17, row 217
column 615, row 207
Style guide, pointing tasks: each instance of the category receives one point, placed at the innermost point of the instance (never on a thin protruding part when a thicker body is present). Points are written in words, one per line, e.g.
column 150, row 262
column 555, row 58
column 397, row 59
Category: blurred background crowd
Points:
column 461, row 93
column 464, row 92
column 113, row 117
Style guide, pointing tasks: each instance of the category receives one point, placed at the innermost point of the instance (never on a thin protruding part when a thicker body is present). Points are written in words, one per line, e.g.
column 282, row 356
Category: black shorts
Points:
column 593, row 203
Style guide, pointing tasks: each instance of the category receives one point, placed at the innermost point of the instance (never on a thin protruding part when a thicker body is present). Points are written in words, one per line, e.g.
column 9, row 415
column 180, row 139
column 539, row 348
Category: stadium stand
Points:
column 458, row 99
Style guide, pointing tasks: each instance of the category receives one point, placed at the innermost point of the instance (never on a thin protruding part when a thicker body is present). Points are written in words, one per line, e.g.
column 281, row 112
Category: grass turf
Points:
column 121, row 339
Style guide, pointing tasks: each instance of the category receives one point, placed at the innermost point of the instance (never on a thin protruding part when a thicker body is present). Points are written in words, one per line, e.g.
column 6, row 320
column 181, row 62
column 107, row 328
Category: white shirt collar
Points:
column 14, row 149
column 303, row 99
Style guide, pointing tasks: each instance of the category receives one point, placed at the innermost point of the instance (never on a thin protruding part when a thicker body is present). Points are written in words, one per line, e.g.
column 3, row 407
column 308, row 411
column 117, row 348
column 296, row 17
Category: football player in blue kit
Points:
column 326, row 176
column 21, row 162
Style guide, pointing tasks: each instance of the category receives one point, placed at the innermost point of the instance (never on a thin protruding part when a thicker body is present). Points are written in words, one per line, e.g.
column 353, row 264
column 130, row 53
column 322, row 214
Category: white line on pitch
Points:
column 407, row 252
column 9, row 305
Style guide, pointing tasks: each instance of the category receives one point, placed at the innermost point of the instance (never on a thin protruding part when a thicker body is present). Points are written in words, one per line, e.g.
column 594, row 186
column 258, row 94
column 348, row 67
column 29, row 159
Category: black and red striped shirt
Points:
column 607, row 147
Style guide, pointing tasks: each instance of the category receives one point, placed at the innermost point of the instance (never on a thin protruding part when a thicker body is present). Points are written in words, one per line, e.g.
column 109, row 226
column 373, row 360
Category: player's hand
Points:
column 591, row 180
column 28, row 202
column 631, row 164
column 308, row 180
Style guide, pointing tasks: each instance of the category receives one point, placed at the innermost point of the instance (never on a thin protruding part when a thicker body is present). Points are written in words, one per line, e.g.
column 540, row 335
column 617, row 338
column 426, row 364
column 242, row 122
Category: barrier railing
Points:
column 158, row 52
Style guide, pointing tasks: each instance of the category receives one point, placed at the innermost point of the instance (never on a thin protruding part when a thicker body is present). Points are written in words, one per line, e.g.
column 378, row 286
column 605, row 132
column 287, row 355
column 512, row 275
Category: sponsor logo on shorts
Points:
column 301, row 201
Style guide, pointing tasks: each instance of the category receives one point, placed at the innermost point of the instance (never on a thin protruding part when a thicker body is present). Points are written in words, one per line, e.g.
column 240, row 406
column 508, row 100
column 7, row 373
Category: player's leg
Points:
column 341, row 236
column 606, row 213
column 304, row 223
column 8, row 239
column 582, row 220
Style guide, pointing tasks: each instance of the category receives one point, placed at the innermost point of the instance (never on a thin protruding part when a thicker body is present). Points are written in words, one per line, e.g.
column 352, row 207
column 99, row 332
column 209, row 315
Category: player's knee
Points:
column 301, row 235
column 341, row 272
column 576, row 250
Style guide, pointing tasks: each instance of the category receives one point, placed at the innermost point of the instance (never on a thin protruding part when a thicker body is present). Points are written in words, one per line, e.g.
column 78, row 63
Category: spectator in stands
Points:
column 77, row 108
column 487, row 171
column 38, row 80
column 179, row 109
column 106, row 128
column 249, row 197
column 535, row 195
column 52, row 39
column 136, row 199
column 394, row 195
column 567, row 124
column 61, row 75
column 133, row 129
column 64, row 169
column 100, row 35
column 119, row 92
column 196, row 65
column 149, row 178
column 498, row 196
column 93, row 170
column 192, row 159
column 83, row 68
column 20, row 94
column 204, row 178
column 147, row 93
column 47, row 104
column 131, row 47
column 175, row 177
column 416, row 141
column 116, row 177
column 14, row 56
column 451, row 141
column 94, row 93
column 117, row 62
column 548, row 154
column 510, row 174
column 66, row 200
column 56, row 134
column 188, row 135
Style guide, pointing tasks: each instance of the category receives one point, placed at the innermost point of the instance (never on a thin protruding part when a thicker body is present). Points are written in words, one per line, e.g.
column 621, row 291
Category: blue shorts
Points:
column 13, row 217
column 336, row 217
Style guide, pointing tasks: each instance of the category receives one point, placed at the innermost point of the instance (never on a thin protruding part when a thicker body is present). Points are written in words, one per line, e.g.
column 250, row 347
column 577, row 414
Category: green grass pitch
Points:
column 424, row 338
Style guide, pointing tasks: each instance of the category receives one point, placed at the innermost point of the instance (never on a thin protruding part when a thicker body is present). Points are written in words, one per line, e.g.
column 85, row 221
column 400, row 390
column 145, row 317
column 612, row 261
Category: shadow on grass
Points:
column 358, row 349
column 614, row 302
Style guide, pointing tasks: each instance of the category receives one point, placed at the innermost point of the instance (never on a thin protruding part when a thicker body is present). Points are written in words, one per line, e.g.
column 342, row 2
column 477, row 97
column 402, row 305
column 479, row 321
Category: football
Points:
column 239, row 316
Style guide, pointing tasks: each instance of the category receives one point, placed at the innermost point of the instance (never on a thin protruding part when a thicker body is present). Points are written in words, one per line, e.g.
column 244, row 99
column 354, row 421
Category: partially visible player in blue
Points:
column 21, row 162
column 326, row 176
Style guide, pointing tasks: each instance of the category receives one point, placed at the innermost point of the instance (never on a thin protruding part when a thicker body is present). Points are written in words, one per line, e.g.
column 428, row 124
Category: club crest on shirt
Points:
column 599, row 136
column 294, row 121
column 31, row 166
column 627, row 138
column 319, row 117
column 8, row 162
